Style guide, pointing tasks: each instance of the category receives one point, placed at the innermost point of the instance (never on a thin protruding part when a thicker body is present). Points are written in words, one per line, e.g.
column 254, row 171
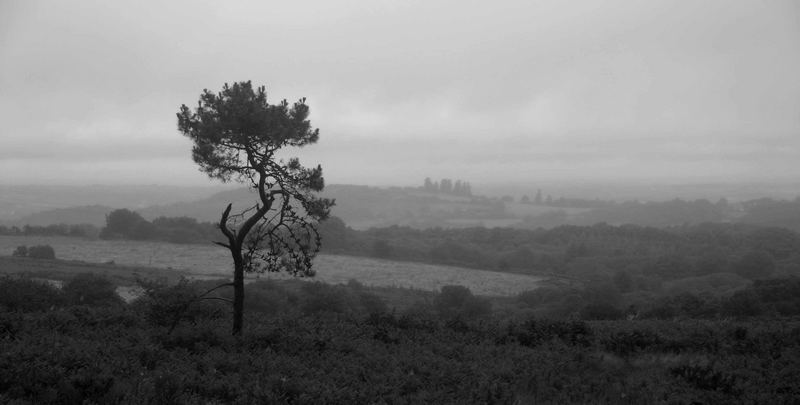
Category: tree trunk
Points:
column 238, row 291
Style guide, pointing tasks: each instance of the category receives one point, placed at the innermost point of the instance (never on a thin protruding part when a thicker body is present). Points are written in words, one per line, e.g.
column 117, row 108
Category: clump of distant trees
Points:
column 35, row 252
column 561, row 202
column 73, row 230
column 458, row 301
column 447, row 186
column 127, row 224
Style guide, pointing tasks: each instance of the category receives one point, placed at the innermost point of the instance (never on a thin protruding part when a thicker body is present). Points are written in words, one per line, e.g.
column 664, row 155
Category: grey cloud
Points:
column 578, row 88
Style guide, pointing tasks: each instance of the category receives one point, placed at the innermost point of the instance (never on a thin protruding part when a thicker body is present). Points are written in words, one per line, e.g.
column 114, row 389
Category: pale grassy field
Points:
column 523, row 210
column 204, row 260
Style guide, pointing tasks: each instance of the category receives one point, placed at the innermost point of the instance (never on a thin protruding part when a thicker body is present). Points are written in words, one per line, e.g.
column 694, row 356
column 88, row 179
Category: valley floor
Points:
column 211, row 260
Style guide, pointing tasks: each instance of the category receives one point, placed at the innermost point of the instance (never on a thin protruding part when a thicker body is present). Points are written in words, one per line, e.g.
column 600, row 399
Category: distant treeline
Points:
column 562, row 202
column 127, row 224
column 584, row 251
column 764, row 212
column 79, row 230
column 637, row 255
column 664, row 213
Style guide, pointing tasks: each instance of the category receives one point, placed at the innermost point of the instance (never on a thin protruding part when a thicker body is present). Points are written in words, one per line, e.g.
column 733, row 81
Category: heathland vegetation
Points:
column 309, row 343
column 630, row 314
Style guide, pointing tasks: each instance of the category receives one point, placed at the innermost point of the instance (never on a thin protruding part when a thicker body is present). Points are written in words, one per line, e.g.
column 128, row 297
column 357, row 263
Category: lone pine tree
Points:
column 236, row 136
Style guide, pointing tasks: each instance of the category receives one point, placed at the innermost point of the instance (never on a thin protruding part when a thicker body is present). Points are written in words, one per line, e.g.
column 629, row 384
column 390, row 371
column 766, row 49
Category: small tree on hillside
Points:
column 123, row 223
column 236, row 135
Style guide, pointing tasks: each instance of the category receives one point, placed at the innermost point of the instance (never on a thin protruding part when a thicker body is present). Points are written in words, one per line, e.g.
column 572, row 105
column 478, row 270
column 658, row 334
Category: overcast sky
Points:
column 521, row 91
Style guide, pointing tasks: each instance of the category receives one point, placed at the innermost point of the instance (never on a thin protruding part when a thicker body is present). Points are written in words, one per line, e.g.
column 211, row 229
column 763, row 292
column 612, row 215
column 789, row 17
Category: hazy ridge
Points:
column 362, row 207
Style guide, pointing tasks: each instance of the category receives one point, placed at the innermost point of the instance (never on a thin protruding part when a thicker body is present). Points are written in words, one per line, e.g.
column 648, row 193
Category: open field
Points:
column 201, row 260
column 524, row 210
column 61, row 270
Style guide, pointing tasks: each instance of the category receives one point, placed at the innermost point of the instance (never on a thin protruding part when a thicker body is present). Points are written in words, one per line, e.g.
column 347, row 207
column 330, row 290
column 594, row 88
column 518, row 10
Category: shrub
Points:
column 371, row 303
column 781, row 294
column 165, row 305
column 682, row 305
column 624, row 343
column 742, row 304
column 22, row 294
column 91, row 289
column 541, row 296
column 600, row 312
column 354, row 284
column 603, row 292
column 42, row 252
column 36, row 252
column 20, row 251
column 458, row 301
column 453, row 296
column 706, row 378
column 711, row 283
column 265, row 296
column 121, row 223
column 534, row 332
column 194, row 340
column 382, row 249
column 320, row 297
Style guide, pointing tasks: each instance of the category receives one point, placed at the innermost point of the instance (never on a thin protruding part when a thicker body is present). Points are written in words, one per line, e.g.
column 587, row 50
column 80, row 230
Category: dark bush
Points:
column 453, row 296
column 321, row 297
column 540, row 296
column 42, row 252
column 537, row 331
column 684, row 305
column 20, row 251
column 458, row 301
column 624, row 343
column 194, row 340
column 371, row 303
column 121, row 223
column 603, row 292
column 600, row 312
column 402, row 322
column 382, row 249
column 267, row 297
column 91, row 289
column 742, row 304
column 168, row 305
column 22, row 294
column 706, row 378
column 662, row 309
column 779, row 289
